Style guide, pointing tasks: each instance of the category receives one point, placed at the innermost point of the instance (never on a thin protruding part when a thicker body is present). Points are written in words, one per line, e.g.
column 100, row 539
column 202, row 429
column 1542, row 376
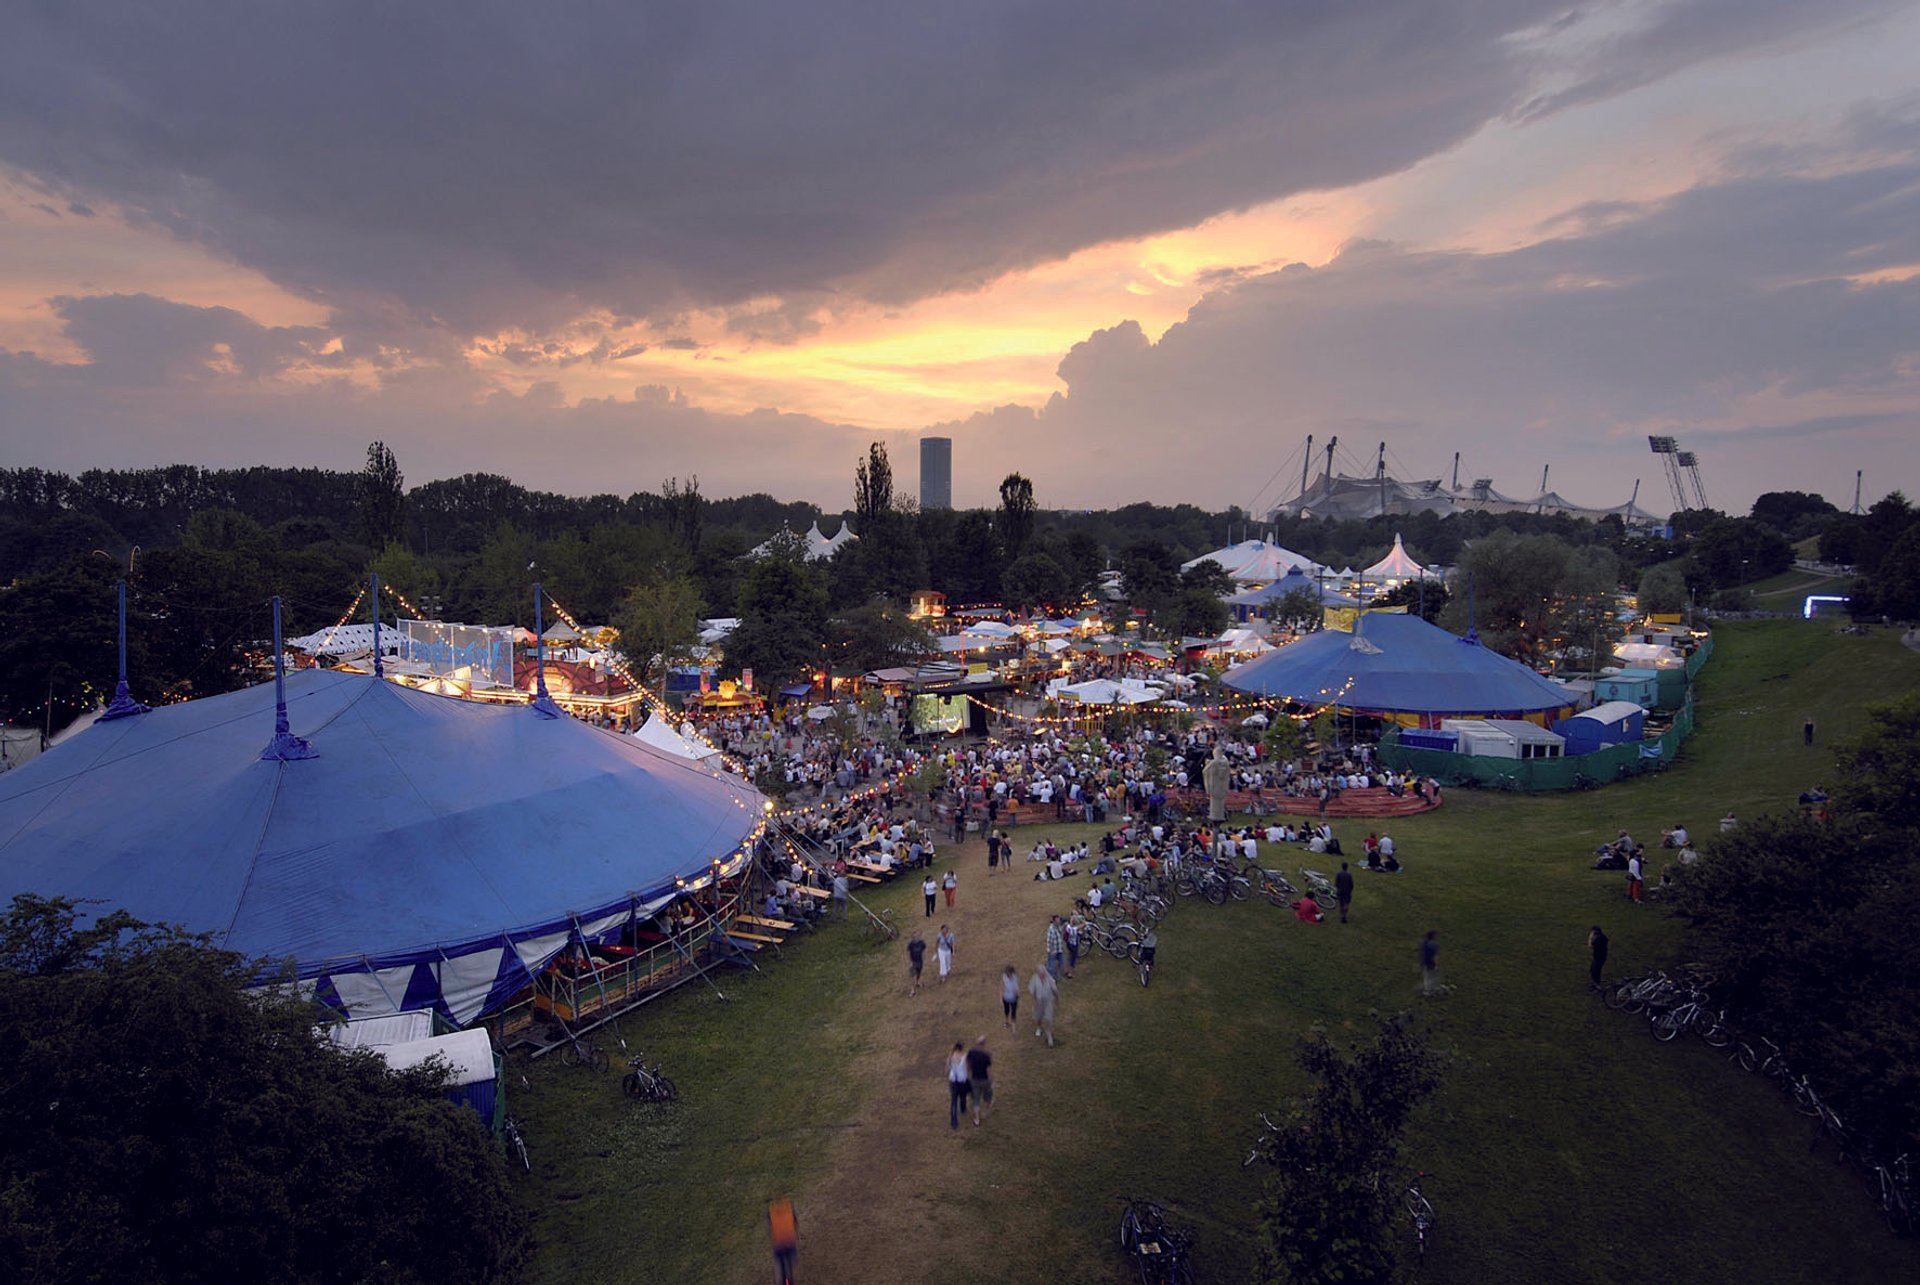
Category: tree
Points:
column 1016, row 515
column 1794, row 514
column 876, row 635
column 783, row 618
column 225, row 1138
column 873, row 489
column 1149, row 576
column 659, row 623
column 1328, row 1209
column 684, row 508
column 382, row 497
column 1423, row 598
column 1036, row 580
column 1663, row 589
column 1507, row 584
column 1738, row 551
column 1298, row 609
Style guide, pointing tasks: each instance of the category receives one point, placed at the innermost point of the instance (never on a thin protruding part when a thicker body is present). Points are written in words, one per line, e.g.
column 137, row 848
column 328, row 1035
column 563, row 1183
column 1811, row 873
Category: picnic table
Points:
column 761, row 921
column 818, row 893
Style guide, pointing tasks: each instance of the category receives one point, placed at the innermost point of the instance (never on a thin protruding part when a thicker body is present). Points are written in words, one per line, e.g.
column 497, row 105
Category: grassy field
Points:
column 1565, row 1144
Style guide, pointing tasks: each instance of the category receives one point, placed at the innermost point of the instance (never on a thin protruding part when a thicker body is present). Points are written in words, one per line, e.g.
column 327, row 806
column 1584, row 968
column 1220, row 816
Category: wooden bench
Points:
column 857, row 877
column 820, row 894
column 760, row 921
column 760, row 938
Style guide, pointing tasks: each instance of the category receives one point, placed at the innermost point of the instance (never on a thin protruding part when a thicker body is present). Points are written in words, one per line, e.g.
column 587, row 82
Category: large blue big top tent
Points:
column 1402, row 667
column 433, row 852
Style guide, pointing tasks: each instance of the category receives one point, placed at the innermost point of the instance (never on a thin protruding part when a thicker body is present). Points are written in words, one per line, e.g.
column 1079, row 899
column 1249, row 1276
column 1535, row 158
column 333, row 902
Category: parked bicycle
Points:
column 1420, row 1211
column 515, row 1144
column 1160, row 1253
column 579, row 1052
column 652, row 1084
column 1895, row 1183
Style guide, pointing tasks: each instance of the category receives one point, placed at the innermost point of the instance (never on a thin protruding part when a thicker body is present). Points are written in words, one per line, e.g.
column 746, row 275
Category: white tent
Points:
column 1254, row 561
column 1398, row 566
column 1104, row 691
column 685, row 742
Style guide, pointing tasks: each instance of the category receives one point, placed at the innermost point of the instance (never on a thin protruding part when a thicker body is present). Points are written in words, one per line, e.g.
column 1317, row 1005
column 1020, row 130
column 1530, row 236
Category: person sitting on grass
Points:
column 1307, row 910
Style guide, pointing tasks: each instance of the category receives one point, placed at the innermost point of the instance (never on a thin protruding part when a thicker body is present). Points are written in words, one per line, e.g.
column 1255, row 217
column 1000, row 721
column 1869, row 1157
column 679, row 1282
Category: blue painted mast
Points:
column 542, row 703
column 379, row 669
column 284, row 746
column 123, row 704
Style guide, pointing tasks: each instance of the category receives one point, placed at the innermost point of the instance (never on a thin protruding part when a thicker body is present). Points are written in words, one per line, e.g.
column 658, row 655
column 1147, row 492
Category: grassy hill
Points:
column 1565, row 1144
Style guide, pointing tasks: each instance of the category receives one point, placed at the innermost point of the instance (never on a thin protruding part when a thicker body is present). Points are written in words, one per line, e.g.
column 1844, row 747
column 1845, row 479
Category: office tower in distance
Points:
column 936, row 473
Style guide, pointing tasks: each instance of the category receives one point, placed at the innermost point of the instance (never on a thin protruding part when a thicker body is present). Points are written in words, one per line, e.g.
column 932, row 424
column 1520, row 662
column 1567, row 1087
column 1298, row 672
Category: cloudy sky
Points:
column 1133, row 249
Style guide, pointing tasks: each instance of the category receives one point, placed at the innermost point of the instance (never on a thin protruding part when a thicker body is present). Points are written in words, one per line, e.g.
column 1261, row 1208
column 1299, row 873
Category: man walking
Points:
column 1806, row 730
column 1343, row 890
column 930, row 890
column 1045, row 990
column 916, row 960
column 1056, row 947
column 1597, row 946
column 1634, row 871
column 1430, row 963
column 840, row 894
column 979, row 1077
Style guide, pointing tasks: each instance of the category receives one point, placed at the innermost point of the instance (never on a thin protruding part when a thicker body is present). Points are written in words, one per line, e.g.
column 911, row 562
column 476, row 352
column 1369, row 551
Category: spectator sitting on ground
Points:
column 1307, row 910
column 1675, row 838
column 1818, row 794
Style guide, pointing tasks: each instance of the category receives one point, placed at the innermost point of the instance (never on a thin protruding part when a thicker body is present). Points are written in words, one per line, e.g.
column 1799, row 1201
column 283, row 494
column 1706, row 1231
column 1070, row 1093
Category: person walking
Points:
column 1806, row 730
column 1009, row 997
column 1634, row 872
column 993, row 851
column 1597, row 950
column 840, row 894
column 1430, row 963
column 957, row 1084
column 916, row 960
column 1056, row 947
column 931, row 891
column 951, row 884
column 1343, row 890
column 1072, row 935
column 980, row 1078
column 943, row 951
column 1045, row 990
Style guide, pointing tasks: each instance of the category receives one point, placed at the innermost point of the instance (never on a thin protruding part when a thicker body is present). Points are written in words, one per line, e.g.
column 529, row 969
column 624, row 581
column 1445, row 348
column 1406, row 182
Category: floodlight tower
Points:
column 1667, row 448
column 1691, row 463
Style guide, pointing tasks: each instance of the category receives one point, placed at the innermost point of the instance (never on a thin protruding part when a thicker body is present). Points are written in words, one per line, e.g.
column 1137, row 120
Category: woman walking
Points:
column 1076, row 925
column 943, row 951
column 950, row 883
column 957, row 1086
column 1009, row 997
column 930, row 890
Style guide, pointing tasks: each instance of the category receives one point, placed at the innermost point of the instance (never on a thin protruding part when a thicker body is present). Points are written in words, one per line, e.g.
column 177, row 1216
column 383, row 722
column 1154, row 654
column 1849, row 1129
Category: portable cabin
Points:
column 1614, row 723
column 1641, row 686
column 469, row 1059
column 1505, row 738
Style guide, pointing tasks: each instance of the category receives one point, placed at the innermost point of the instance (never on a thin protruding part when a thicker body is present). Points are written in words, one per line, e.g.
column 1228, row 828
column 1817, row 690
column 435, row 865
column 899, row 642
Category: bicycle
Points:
column 1896, row 1195
column 580, row 1053
column 1262, row 1148
column 880, row 924
column 1159, row 1252
column 652, row 1085
column 515, row 1144
column 1317, row 884
column 1145, row 963
column 1420, row 1210
column 1277, row 889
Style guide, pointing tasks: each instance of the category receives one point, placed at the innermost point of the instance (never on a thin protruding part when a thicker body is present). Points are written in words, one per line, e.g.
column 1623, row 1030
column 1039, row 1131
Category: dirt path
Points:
column 899, row 1192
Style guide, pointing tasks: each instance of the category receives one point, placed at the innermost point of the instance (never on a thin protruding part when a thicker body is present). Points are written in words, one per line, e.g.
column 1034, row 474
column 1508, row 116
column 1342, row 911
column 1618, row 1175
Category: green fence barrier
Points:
column 1529, row 776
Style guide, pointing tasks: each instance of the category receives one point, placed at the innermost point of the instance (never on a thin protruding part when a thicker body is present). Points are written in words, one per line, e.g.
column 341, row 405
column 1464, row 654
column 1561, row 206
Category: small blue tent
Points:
column 1401, row 666
column 433, row 853
column 1257, row 601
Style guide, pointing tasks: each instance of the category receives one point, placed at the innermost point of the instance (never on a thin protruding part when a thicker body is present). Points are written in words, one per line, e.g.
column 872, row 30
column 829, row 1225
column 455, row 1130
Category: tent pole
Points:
column 379, row 669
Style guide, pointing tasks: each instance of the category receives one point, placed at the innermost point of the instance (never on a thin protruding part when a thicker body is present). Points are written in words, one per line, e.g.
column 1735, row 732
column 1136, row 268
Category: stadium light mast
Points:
column 1668, row 449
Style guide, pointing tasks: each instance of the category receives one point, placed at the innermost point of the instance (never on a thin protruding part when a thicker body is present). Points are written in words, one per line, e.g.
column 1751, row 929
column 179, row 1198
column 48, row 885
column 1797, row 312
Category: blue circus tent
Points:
column 432, row 852
column 1256, row 601
column 1400, row 666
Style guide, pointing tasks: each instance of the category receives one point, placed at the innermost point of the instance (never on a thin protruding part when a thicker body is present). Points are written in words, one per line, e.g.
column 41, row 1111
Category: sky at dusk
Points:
column 1136, row 251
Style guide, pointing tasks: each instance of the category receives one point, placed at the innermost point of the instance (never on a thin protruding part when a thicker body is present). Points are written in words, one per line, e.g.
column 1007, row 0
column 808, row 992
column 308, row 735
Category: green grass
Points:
column 1564, row 1145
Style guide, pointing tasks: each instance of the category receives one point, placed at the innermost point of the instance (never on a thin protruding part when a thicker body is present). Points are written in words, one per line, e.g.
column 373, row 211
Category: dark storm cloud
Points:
column 1667, row 315
column 138, row 340
column 506, row 163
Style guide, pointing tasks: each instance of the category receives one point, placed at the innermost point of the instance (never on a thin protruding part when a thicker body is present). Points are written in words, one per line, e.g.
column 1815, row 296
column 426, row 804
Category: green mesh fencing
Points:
column 1531, row 776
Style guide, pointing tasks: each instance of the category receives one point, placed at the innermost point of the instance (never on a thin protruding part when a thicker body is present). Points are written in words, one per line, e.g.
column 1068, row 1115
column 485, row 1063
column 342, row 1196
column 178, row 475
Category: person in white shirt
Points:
column 1318, row 845
column 1386, row 846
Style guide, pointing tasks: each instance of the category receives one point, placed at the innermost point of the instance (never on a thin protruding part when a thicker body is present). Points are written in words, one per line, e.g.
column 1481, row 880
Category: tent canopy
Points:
column 432, row 853
column 1397, row 565
column 1400, row 664
column 1254, row 561
column 1288, row 584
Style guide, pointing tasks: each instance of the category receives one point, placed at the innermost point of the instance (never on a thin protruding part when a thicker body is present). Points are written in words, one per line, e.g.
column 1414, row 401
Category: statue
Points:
column 1215, row 775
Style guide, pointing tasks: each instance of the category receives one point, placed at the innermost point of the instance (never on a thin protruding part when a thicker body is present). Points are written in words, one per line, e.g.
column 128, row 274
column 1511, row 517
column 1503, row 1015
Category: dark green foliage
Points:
column 1036, row 581
column 1796, row 515
column 1329, row 1207
column 659, row 623
column 782, row 633
column 383, row 497
column 1808, row 924
column 1016, row 515
column 1423, row 598
column 164, row 1122
column 876, row 635
column 1299, row 609
column 1663, row 589
column 1735, row 551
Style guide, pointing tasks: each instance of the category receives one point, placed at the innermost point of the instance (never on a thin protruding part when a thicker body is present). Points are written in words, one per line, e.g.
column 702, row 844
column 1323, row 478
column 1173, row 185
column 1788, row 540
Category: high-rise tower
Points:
column 936, row 473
